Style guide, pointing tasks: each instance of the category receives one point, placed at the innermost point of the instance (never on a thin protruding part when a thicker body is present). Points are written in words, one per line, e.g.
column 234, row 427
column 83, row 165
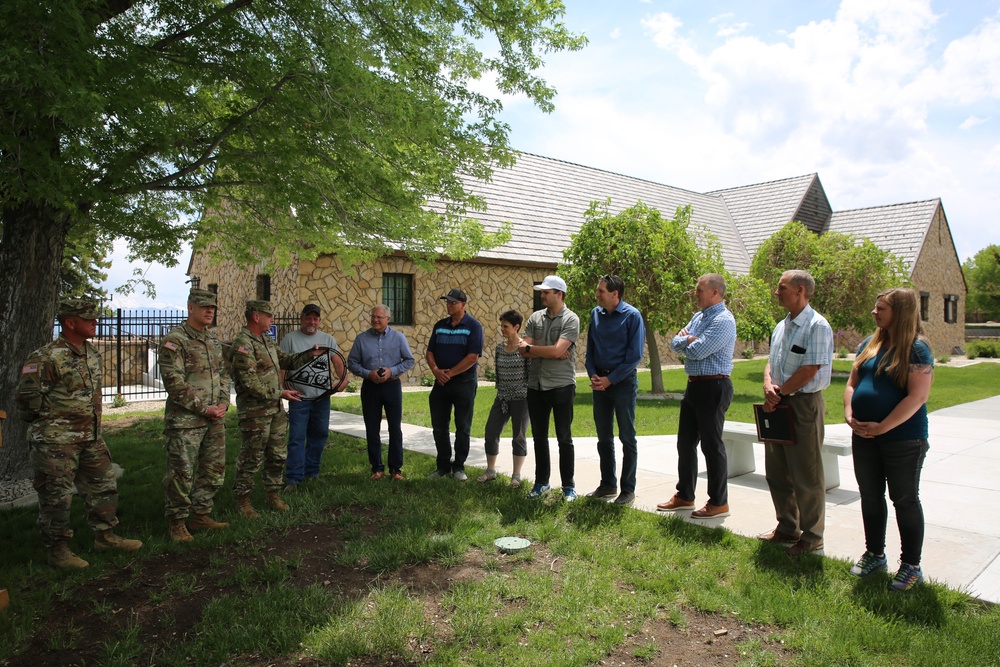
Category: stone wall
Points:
column 938, row 272
column 237, row 285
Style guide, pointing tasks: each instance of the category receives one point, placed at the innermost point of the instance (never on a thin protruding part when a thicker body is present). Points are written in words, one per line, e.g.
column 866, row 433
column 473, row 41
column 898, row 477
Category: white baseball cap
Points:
column 552, row 282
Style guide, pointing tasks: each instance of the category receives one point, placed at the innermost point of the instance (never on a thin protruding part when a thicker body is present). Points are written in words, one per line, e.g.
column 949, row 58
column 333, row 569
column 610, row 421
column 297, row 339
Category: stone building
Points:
column 545, row 199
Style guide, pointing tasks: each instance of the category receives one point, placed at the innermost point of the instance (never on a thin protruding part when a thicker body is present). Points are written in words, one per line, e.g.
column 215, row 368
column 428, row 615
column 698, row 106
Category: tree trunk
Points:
column 30, row 256
column 655, row 369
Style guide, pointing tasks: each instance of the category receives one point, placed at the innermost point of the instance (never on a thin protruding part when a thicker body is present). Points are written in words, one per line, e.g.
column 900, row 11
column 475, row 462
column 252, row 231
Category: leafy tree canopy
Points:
column 659, row 259
column 849, row 272
column 982, row 272
column 313, row 125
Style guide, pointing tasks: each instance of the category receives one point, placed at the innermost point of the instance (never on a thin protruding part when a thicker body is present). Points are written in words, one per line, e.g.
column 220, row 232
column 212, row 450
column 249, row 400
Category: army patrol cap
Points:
column 83, row 308
column 259, row 306
column 202, row 297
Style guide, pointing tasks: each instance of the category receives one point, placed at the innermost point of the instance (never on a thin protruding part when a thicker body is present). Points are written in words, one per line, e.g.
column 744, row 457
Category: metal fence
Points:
column 129, row 341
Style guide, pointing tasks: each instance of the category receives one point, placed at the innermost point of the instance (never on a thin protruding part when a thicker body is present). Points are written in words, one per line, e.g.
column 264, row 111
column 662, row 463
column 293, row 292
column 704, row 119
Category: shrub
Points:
column 747, row 352
column 353, row 386
column 489, row 373
column 841, row 352
column 988, row 349
column 427, row 380
column 943, row 358
column 119, row 401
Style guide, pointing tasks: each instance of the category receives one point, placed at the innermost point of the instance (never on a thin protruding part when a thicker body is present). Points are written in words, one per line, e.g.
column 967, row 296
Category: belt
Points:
column 700, row 378
column 604, row 372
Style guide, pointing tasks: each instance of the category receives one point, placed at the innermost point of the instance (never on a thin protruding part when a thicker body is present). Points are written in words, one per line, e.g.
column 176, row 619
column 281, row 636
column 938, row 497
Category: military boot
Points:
column 60, row 556
column 205, row 522
column 275, row 501
column 245, row 508
column 106, row 539
column 179, row 532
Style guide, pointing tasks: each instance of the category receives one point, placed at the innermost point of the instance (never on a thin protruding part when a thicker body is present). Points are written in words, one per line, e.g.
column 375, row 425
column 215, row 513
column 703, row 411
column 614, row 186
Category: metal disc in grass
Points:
column 511, row 545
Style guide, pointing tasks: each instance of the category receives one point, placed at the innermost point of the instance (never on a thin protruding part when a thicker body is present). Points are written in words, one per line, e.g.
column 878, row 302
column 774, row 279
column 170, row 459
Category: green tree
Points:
column 659, row 259
column 305, row 126
column 982, row 272
column 749, row 299
column 849, row 272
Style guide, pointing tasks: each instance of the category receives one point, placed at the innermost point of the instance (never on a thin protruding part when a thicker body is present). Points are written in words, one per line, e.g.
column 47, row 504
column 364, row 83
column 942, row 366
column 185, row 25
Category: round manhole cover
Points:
column 511, row 545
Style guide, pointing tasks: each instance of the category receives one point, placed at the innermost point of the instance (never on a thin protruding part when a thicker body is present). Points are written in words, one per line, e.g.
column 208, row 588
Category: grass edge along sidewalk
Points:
column 597, row 575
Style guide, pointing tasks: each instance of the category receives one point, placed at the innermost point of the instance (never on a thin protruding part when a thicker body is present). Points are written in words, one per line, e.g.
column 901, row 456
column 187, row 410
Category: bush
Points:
column 427, row 380
column 943, row 358
column 988, row 349
column 353, row 386
column 489, row 373
column 119, row 401
column 842, row 352
column 747, row 352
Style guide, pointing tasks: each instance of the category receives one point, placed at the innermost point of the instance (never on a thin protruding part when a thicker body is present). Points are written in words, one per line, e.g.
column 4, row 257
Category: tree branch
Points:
column 231, row 8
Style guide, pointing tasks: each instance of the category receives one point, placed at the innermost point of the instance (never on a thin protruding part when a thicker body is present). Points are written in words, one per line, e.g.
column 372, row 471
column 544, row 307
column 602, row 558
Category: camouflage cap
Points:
column 202, row 297
column 259, row 306
column 82, row 308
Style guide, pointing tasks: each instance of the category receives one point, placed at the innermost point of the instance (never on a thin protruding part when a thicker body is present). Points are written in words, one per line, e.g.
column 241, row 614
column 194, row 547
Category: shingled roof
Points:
column 899, row 228
column 545, row 200
column 761, row 209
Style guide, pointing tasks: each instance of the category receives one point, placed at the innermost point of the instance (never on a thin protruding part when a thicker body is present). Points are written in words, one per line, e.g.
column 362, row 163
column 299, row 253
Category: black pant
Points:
column 459, row 392
column 559, row 403
column 897, row 464
column 703, row 414
column 375, row 397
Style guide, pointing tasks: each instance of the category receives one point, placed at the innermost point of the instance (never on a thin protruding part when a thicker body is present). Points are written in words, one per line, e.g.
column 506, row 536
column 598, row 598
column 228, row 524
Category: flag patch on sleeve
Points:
column 243, row 349
column 28, row 369
column 170, row 346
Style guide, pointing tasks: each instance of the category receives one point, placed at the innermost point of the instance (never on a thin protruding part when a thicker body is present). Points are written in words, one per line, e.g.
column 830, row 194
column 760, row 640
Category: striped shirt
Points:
column 450, row 343
column 806, row 340
column 712, row 352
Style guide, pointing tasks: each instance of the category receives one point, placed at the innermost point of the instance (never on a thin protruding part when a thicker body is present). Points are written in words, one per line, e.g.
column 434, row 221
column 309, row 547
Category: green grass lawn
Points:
column 407, row 574
column 656, row 416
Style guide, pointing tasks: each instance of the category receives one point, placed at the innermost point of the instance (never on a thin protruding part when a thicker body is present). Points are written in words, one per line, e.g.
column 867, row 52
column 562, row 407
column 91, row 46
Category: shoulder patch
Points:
column 28, row 369
column 243, row 349
column 170, row 346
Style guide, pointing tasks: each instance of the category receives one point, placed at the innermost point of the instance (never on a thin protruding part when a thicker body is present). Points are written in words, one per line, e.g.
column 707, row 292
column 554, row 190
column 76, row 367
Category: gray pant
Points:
column 517, row 413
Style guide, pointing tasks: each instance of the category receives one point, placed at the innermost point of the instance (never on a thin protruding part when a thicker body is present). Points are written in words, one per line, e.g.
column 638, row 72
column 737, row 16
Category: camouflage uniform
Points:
column 60, row 395
column 263, row 423
column 196, row 377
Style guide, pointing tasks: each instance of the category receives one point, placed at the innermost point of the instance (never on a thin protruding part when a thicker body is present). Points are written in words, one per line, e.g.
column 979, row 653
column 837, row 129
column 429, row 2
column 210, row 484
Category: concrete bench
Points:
column 740, row 437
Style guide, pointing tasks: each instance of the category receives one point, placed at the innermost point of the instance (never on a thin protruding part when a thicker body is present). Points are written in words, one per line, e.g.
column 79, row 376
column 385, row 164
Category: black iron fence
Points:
column 129, row 341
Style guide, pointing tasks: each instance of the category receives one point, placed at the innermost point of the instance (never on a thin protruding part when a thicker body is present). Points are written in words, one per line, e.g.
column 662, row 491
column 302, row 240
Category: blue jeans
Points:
column 617, row 402
column 308, row 428
column 375, row 398
column 557, row 402
column 896, row 464
column 459, row 393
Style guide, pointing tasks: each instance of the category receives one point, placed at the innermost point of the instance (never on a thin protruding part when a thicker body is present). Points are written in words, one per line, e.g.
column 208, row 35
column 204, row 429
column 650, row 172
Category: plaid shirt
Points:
column 805, row 341
column 712, row 352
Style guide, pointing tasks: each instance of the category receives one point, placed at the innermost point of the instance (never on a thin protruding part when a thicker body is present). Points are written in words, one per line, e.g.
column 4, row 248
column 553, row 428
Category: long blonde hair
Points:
column 904, row 330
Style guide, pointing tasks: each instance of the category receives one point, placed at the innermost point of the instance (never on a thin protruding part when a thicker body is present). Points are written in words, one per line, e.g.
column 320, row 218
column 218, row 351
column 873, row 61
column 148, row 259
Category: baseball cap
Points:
column 456, row 295
column 310, row 308
column 552, row 282
column 202, row 297
column 259, row 306
column 83, row 308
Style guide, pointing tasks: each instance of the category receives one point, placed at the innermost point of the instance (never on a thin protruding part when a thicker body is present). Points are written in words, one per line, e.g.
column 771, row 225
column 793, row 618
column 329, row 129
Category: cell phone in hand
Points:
column 381, row 371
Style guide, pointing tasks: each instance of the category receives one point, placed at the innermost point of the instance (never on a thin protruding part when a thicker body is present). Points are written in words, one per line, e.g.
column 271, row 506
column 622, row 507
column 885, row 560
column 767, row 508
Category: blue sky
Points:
column 890, row 101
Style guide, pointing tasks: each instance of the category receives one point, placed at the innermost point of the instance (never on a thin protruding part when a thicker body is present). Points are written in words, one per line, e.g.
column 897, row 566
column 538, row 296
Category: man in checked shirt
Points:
column 707, row 344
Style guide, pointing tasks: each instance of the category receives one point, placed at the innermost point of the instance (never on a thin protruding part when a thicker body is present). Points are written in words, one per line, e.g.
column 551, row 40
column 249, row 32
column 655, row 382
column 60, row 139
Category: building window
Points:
column 263, row 287
column 397, row 293
column 536, row 301
column 213, row 288
column 950, row 308
column 925, row 306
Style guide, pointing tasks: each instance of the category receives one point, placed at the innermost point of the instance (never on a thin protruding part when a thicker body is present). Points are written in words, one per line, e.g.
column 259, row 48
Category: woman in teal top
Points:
column 885, row 403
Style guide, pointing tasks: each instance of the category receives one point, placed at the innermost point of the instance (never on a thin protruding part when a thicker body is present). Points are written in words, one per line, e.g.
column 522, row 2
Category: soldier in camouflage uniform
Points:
column 60, row 395
column 256, row 360
column 197, row 380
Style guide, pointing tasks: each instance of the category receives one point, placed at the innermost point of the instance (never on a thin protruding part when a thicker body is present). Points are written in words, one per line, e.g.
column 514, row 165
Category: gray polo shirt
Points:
column 545, row 374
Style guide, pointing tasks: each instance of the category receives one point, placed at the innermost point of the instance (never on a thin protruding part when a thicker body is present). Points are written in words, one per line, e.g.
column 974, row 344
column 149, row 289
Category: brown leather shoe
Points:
column 376, row 476
column 245, row 508
column 205, row 522
column 710, row 511
column 397, row 476
column 179, row 531
column 275, row 501
column 778, row 536
column 804, row 547
column 675, row 503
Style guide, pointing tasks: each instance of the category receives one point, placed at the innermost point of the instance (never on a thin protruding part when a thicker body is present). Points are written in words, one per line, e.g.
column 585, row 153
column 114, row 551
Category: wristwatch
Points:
column 527, row 348
column 777, row 390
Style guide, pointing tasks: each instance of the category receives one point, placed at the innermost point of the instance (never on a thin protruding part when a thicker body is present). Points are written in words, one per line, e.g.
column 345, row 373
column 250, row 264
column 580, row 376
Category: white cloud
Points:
column 971, row 122
column 616, row 33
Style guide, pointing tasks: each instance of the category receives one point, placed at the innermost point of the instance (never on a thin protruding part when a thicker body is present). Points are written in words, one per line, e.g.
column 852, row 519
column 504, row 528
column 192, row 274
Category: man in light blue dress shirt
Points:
column 797, row 372
column 707, row 343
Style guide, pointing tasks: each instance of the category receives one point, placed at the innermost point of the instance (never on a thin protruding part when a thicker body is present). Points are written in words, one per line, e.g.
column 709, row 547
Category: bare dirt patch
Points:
column 164, row 597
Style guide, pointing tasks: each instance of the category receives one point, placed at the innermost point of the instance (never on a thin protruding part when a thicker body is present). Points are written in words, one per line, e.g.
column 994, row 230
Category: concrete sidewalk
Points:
column 960, row 490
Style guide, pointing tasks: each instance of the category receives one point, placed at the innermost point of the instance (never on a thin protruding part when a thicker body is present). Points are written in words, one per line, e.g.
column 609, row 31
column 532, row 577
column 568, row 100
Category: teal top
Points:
column 877, row 395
